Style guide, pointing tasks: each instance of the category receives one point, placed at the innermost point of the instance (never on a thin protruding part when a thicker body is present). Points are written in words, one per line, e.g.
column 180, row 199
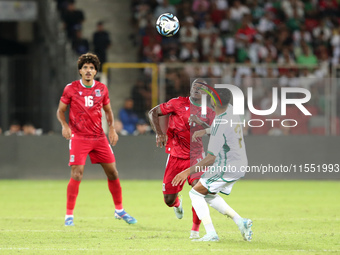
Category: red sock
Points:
column 72, row 193
column 195, row 221
column 176, row 203
column 116, row 192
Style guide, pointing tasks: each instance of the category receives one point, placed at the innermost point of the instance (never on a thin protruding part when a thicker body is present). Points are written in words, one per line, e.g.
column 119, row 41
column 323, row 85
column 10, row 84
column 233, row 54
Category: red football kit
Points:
column 85, row 121
column 183, row 152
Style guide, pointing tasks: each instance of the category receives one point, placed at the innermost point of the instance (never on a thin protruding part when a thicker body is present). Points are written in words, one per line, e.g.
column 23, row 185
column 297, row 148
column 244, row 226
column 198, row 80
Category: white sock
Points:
column 218, row 203
column 202, row 210
column 68, row 216
column 120, row 210
column 237, row 218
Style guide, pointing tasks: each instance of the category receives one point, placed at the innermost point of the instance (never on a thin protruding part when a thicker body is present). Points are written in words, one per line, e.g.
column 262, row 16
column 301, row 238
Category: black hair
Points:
column 225, row 96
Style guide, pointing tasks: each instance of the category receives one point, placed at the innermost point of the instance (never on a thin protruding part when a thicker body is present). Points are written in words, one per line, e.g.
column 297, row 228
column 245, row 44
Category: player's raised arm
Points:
column 113, row 136
column 66, row 131
column 154, row 114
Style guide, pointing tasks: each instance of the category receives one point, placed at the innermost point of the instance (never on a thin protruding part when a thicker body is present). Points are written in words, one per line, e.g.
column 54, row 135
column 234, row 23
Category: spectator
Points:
column 289, row 79
column 329, row 8
column 226, row 26
column 255, row 48
column 335, row 43
column 212, row 46
column 246, row 32
column 189, row 53
column 152, row 52
column 207, row 29
column 323, row 30
column 29, row 129
column 72, row 19
column 141, row 96
column 257, row 11
column 295, row 21
column 286, row 58
column 302, row 34
column 201, row 9
column 221, row 5
column 188, row 32
column 307, row 79
column 79, row 44
column 268, row 50
column 14, row 129
column 164, row 7
column 307, row 57
column 288, row 7
column 238, row 10
column 216, row 14
column 266, row 23
column 128, row 117
column 101, row 42
column 142, row 128
column 119, row 128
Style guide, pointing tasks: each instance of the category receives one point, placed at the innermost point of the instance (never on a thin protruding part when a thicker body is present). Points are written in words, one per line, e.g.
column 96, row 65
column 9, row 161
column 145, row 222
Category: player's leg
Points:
column 219, row 204
column 196, row 222
column 78, row 152
column 72, row 192
column 102, row 154
column 197, row 195
column 111, row 172
column 175, row 201
column 173, row 167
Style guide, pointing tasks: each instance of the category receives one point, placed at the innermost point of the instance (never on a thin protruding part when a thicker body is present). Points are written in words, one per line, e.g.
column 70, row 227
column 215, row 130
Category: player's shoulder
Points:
column 71, row 85
column 98, row 83
column 179, row 100
column 101, row 86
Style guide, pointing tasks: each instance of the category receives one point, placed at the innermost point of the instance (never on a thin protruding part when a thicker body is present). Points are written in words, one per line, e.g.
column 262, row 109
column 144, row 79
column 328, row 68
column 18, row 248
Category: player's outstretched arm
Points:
column 66, row 131
column 113, row 136
column 154, row 114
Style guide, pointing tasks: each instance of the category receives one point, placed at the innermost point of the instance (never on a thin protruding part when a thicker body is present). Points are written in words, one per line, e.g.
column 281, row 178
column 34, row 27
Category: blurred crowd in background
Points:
column 250, row 33
column 243, row 42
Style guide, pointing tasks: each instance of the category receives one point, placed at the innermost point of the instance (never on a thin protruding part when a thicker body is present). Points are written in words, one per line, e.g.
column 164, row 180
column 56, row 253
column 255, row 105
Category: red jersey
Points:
column 179, row 131
column 85, row 117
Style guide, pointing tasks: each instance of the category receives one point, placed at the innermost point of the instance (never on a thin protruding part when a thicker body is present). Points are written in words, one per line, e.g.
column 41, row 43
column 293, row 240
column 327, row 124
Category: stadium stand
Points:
column 246, row 32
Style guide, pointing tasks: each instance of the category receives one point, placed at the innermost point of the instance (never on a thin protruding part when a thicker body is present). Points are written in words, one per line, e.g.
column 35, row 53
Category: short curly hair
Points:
column 89, row 58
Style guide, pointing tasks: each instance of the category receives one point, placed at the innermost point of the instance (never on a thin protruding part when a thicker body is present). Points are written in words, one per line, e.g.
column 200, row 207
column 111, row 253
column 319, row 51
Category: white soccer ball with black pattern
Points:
column 167, row 24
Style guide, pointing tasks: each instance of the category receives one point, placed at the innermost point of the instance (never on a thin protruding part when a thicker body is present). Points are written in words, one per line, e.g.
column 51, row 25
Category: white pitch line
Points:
column 166, row 249
column 80, row 230
column 108, row 218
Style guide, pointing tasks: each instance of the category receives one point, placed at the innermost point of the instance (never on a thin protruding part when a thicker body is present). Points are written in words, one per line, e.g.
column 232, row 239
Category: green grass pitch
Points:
column 290, row 217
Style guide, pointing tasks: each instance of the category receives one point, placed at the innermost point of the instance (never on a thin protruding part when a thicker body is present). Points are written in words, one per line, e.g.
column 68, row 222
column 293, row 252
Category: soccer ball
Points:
column 167, row 24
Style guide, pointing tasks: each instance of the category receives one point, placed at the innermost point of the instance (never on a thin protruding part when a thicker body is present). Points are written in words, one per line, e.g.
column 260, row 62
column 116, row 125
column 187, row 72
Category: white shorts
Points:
column 217, row 184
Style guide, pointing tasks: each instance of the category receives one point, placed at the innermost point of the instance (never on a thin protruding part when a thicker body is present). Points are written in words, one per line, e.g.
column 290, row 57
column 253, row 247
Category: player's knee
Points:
column 112, row 175
column 77, row 176
column 169, row 201
column 194, row 182
column 76, row 173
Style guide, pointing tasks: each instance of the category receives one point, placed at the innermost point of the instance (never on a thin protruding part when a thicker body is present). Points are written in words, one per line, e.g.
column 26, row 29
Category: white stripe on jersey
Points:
column 226, row 141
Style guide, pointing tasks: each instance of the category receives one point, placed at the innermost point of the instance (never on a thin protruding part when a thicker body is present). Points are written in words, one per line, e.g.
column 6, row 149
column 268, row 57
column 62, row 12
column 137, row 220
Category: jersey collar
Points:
column 194, row 103
column 81, row 82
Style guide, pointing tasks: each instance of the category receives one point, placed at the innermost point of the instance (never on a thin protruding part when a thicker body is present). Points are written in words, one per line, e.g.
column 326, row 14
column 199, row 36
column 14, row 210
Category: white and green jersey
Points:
column 227, row 144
